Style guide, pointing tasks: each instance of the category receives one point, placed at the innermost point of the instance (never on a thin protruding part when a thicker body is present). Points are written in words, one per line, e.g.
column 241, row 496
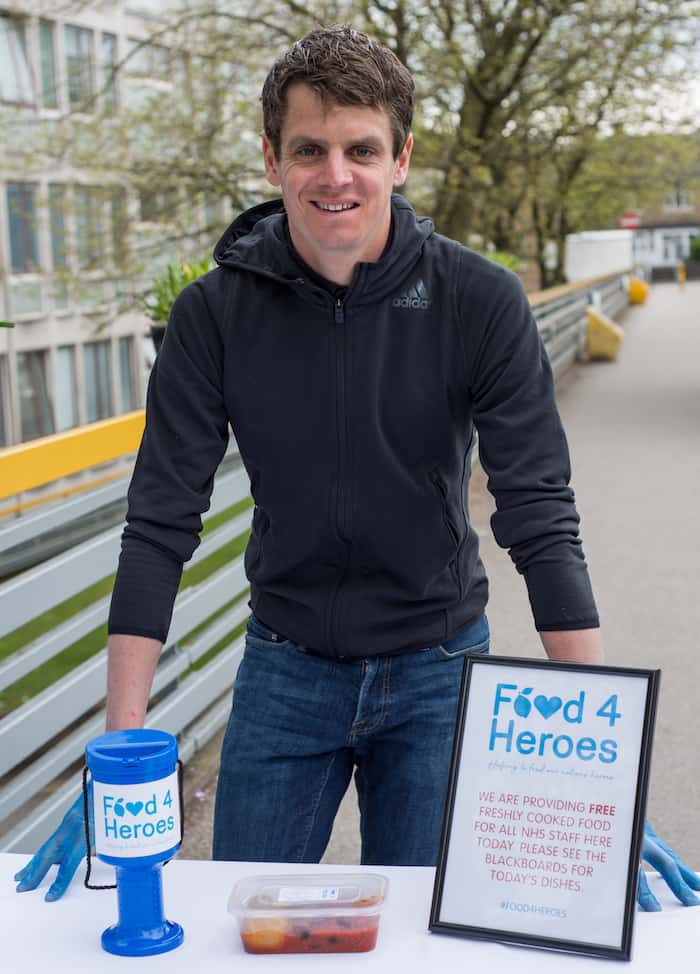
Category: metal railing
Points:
column 42, row 740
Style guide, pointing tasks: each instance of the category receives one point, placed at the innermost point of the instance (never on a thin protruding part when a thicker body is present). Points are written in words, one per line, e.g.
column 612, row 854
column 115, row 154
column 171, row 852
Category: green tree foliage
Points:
column 522, row 110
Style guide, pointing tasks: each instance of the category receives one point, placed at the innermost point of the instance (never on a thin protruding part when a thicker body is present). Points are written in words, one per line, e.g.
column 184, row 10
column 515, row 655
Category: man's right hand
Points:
column 66, row 849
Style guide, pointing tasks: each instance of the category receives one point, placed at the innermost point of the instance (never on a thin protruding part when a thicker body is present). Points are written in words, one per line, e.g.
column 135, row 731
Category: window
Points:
column 79, row 67
column 158, row 207
column 212, row 213
column 98, row 386
column 15, row 75
column 108, row 63
column 66, row 405
column 673, row 246
column 48, row 65
column 126, row 374
column 36, row 417
column 21, row 210
column 678, row 199
column 152, row 7
column 119, row 224
column 147, row 60
column 57, row 225
column 88, row 226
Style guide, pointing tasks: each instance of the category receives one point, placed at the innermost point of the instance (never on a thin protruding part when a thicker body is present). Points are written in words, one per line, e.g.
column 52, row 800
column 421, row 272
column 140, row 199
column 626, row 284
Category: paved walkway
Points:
column 634, row 432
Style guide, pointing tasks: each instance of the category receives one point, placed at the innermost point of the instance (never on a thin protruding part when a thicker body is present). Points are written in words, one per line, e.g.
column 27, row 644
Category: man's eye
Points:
column 363, row 151
column 307, row 151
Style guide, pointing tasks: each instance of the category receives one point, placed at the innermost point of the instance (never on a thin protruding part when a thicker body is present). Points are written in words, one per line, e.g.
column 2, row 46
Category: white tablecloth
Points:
column 65, row 935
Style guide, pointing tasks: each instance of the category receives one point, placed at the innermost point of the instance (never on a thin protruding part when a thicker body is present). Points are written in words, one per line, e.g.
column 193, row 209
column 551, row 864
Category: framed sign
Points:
column 545, row 806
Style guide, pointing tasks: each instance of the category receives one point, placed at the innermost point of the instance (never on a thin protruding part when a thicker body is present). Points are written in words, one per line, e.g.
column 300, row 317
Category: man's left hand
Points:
column 680, row 879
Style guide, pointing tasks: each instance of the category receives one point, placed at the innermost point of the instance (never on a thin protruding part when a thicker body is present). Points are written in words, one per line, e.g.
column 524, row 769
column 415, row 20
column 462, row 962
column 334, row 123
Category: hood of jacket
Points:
column 257, row 241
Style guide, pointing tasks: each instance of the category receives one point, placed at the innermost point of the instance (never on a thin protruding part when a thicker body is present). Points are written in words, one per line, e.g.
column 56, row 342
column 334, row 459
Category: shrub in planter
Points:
column 165, row 288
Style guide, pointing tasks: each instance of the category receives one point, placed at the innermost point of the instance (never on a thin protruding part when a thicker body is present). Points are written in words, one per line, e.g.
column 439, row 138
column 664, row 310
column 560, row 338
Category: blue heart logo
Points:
column 546, row 706
column 135, row 807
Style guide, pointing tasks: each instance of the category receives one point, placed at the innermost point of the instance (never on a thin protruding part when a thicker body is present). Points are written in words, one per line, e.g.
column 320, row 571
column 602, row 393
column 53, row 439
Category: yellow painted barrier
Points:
column 604, row 336
column 42, row 461
column 638, row 291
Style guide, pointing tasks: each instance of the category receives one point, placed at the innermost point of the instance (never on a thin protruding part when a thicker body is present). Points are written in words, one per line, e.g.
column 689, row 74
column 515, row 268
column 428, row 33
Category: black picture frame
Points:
column 640, row 692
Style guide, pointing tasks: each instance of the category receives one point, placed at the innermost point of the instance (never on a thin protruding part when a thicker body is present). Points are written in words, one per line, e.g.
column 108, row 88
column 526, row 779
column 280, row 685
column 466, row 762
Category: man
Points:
column 353, row 351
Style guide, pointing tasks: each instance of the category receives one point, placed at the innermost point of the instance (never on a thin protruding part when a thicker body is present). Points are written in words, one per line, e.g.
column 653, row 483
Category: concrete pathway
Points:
column 634, row 433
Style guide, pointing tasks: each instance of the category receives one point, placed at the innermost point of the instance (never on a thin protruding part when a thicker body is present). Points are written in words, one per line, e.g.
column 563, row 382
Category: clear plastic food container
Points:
column 322, row 914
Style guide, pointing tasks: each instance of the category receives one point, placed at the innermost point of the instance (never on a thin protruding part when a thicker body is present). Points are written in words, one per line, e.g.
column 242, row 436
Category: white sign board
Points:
column 545, row 808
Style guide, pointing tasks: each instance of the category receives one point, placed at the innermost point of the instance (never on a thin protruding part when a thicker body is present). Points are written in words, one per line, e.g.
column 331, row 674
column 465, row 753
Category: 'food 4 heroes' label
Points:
column 137, row 820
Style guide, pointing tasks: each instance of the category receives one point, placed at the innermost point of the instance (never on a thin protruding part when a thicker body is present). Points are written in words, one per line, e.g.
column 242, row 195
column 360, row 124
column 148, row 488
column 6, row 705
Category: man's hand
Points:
column 680, row 879
column 65, row 849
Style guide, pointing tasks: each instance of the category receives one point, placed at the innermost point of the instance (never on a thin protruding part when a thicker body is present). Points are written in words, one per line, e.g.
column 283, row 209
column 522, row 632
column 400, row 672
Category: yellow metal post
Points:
column 604, row 336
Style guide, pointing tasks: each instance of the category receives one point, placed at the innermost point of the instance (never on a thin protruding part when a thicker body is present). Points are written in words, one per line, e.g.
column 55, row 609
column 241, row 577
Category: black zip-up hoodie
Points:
column 355, row 413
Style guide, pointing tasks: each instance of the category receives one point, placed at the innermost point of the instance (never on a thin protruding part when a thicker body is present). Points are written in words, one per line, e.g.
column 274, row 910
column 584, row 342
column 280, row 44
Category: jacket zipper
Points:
column 340, row 502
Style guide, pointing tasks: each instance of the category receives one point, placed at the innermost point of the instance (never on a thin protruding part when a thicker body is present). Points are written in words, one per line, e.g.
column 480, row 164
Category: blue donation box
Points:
column 136, row 802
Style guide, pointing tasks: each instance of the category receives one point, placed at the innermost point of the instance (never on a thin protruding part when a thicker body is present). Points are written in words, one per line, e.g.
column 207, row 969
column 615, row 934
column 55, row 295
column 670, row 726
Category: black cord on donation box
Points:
column 86, row 820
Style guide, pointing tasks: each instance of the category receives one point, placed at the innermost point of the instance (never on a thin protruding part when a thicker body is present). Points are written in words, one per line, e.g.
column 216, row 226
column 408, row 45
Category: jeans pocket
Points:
column 258, row 632
column 473, row 641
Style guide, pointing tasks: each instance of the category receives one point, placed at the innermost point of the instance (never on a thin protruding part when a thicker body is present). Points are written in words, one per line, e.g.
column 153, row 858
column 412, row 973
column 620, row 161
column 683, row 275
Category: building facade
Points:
column 666, row 229
column 79, row 350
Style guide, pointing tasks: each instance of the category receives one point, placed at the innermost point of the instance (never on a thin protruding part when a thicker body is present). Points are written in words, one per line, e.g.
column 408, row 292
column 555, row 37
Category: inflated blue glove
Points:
column 681, row 880
column 65, row 849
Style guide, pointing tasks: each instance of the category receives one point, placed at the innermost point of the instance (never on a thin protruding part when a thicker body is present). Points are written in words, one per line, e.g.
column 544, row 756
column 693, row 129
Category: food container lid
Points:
column 356, row 894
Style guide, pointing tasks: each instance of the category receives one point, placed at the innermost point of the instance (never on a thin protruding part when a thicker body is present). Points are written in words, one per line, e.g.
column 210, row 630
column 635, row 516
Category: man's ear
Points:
column 402, row 162
column 270, row 161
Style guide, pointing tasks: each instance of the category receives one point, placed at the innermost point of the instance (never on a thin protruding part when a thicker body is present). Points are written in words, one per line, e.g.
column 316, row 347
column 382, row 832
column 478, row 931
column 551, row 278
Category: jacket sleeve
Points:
column 523, row 450
column 185, row 438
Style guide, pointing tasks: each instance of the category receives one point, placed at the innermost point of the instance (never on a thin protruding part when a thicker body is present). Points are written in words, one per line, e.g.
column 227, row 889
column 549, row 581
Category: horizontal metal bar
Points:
column 172, row 715
column 43, row 820
column 52, row 457
column 30, row 726
column 43, row 587
column 34, row 723
column 53, row 642
column 229, row 487
column 198, row 691
column 24, row 786
column 199, row 735
column 77, row 626
column 61, row 577
column 228, row 531
column 28, row 783
column 34, row 524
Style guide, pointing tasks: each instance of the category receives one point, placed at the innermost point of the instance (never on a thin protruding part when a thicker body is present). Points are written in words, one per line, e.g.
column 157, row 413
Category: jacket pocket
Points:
column 441, row 489
column 260, row 527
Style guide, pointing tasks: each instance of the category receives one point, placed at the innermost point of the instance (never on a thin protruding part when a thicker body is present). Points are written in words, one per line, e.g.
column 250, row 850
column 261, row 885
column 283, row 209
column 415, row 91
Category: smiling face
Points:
column 336, row 171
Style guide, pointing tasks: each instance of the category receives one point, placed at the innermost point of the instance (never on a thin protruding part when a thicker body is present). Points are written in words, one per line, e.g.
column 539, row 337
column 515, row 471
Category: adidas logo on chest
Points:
column 414, row 298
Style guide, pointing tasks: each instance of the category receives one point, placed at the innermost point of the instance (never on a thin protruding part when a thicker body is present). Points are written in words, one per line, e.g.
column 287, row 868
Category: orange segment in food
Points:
column 265, row 934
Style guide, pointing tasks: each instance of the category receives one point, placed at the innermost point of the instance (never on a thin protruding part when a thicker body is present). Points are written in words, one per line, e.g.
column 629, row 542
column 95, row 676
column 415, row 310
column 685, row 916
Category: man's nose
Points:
column 336, row 171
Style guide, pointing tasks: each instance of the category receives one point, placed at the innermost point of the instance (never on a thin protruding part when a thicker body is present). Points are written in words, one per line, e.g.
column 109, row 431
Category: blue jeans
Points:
column 301, row 724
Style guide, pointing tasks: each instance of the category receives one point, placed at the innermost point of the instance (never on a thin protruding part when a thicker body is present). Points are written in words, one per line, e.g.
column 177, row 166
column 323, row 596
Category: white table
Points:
column 65, row 935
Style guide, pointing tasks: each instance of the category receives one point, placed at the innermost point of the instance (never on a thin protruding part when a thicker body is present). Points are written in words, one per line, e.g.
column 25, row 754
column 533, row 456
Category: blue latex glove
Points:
column 681, row 880
column 65, row 849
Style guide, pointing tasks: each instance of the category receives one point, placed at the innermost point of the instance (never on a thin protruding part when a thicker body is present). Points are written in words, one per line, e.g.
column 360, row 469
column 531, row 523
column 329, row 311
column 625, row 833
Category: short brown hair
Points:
column 344, row 66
